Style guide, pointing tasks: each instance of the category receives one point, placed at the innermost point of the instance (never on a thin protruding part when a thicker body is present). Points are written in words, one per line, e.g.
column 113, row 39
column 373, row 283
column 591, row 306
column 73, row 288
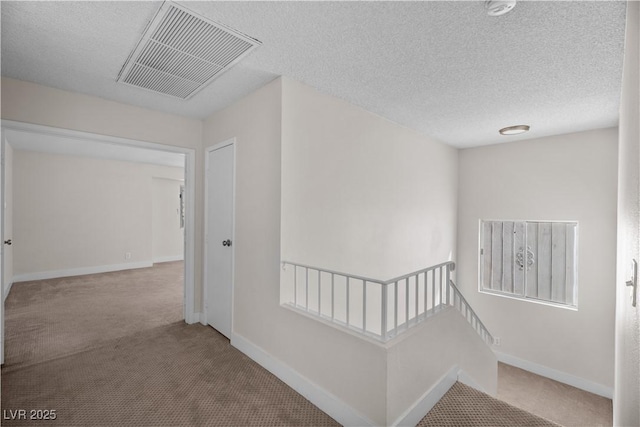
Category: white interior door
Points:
column 219, row 238
column 2, row 290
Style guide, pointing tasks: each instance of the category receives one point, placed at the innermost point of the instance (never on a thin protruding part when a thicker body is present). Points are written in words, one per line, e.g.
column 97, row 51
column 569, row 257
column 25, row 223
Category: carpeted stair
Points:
column 463, row 406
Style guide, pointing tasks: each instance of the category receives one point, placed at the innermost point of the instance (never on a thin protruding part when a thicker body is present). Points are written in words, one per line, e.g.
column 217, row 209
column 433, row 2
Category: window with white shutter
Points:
column 532, row 260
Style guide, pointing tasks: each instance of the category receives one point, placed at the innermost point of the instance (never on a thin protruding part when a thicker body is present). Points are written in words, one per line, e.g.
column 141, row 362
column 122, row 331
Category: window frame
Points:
column 524, row 297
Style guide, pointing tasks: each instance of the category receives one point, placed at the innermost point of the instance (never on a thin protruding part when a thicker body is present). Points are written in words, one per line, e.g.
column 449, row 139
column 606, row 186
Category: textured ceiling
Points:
column 445, row 69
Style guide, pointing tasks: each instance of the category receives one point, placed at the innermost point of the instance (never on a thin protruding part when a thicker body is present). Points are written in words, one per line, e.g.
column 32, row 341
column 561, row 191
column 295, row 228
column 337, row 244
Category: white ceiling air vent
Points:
column 181, row 52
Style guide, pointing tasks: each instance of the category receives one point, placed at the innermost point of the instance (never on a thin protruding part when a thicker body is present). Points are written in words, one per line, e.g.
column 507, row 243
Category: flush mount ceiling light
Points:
column 499, row 7
column 181, row 52
column 514, row 130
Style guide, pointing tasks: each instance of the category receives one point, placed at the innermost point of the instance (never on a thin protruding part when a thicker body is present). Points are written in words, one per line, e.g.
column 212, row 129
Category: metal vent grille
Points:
column 181, row 52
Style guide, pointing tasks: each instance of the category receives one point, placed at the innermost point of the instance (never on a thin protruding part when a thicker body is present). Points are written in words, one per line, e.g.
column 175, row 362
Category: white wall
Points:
column 361, row 194
column 33, row 103
column 74, row 213
column 167, row 235
column 323, row 355
column 278, row 117
column 626, row 410
column 443, row 342
column 37, row 104
column 365, row 196
column 566, row 177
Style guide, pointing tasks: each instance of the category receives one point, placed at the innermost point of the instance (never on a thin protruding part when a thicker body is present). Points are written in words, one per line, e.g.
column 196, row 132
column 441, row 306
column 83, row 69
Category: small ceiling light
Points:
column 514, row 130
column 499, row 7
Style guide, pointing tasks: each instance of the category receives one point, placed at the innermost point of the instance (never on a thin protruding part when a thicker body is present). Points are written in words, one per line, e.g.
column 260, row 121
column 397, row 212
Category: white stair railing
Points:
column 372, row 307
column 461, row 304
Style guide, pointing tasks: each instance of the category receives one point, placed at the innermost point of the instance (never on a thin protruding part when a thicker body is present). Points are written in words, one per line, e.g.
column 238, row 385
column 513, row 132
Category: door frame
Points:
column 189, row 313
column 3, row 144
column 205, row 274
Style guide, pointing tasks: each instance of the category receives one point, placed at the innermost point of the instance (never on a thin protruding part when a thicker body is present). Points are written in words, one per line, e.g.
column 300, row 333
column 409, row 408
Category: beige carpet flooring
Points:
column 46, row 319
column 520, row 390
column 111, row 350
column 523, row 397
column 464, row 406
column 561, row 403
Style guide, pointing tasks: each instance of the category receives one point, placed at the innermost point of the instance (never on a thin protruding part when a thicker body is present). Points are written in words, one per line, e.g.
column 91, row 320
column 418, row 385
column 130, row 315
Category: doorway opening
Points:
column 60, row 142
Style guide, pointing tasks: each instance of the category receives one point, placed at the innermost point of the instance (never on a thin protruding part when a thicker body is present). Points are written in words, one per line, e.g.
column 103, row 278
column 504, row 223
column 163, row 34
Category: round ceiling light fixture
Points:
column 514, row 130
column 499, row 7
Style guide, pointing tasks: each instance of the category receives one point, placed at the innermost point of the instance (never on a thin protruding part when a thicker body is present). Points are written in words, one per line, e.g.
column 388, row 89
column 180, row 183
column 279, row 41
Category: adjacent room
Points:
column 97, row 244
column 320, row 213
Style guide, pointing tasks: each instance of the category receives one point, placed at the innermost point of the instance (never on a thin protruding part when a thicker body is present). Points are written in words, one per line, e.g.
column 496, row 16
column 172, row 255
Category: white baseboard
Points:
column 465, row 379
column 168, row 259
column 563, row 377
column 320, row 397
column 7, row 289
column 418, row 410
column 53, row 274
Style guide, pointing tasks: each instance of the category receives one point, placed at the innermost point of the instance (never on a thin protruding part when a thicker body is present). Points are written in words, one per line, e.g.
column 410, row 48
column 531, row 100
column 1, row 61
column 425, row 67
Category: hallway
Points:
column 111, row 349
